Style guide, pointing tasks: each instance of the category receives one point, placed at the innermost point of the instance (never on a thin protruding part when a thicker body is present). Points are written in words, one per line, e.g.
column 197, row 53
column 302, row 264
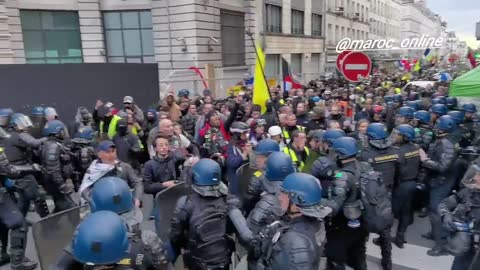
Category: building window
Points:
column 315, row 63
column 297, row 22
column 51, row 37
column 316, row 25
column 128, row 36
column 272, row 66
column 296, row 64
column 274, row 18
column 233, row 38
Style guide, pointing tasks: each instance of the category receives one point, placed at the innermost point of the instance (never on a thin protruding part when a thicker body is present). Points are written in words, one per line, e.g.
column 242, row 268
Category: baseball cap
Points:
column 128, row 99
column 105, row 146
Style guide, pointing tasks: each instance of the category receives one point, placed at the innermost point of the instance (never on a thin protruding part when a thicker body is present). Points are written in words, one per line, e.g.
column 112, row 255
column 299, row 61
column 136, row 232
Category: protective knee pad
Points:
column 18, row 238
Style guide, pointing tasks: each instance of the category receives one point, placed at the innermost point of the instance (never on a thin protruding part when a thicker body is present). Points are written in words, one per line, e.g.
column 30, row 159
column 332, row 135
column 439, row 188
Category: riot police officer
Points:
column 469, row 123
column 383, row 157
column 295, row 243
column 404, row 115
column 19, row 150
column 452, row 103
column 436, row 111
column 113, row 194
column 102, row 241
column 263, row 149
column 463, row 208
column 347, row 237
column 37, row 115
column 423, row 131
column 12, row 218
column 199, row 223
column 83, row 153
column 278, row 166
column 57, row 163
column 405, row 180
column 439, row 163
column 5, row 114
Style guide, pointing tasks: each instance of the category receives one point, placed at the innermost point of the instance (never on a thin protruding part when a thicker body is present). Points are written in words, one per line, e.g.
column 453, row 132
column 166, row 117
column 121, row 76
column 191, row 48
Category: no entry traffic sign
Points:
column 340, row 58
column 355, row 66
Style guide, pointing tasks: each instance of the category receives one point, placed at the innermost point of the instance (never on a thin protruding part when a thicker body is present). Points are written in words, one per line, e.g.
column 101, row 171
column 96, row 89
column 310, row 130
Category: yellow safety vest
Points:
column 112, row 127
column 294, row 157
column 286, row 134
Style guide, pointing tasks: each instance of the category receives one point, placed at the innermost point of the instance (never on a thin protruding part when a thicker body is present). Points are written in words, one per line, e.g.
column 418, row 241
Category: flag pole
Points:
column 250, row 34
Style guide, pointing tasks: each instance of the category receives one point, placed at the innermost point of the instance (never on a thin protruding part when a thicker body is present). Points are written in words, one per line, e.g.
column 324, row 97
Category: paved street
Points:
column 413, row 257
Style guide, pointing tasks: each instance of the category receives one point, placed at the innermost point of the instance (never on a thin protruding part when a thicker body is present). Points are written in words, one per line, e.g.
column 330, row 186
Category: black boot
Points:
column 423, row 212
column 399, row 240
column 4, row 258
column 437, row 251
column 387, row 264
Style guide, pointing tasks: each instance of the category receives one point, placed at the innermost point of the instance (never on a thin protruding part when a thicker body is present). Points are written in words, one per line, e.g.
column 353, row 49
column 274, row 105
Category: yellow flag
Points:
column 260, row 89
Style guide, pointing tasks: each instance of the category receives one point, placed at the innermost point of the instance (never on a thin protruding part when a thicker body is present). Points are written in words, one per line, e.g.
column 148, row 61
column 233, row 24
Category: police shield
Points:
column 165, row 202
column 244, row 175
column 38, row 123
column 53, row 233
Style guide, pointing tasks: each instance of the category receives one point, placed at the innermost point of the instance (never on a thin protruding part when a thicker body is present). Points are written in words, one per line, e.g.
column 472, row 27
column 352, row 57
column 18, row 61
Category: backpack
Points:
column 208, row 242
column 375, row 198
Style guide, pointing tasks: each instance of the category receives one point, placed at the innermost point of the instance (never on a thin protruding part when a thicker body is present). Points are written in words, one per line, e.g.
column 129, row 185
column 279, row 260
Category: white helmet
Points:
column 274, row 131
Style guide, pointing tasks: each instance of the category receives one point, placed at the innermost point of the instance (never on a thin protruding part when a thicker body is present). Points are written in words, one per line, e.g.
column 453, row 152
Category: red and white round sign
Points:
column 355, row 66
column 340, row 58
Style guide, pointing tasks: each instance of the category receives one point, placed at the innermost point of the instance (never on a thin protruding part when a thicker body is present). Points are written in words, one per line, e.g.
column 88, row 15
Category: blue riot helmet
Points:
column 53, row 128
column 439, row 109
column 398, row 99
column 345, row 147
column 458, row 116
column 388, row 99
column 331, row 135
column 37, row 111
column 5, row 114
column 406, row 112
column 278, row 166
column 101, row 239
column 377, row 135
column 406, row 131
column 317, row 134
column 86, row 133
column 266, row 147
column 412, row 104
column 446, row 124
column 469, row 109
column 422, row 116
column 206, row 178
column 304, row 191
column 451, row 102
column 20, row 121
column 377, row 131
column 439, row 100
column 111, row 194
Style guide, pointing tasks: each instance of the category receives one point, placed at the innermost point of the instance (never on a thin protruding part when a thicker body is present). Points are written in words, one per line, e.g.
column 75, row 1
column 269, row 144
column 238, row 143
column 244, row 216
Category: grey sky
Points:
column 460, row 15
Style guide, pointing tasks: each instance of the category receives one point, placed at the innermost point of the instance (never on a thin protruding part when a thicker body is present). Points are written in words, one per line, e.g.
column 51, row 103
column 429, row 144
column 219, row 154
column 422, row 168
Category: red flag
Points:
column 471, row 58
column 197, row 70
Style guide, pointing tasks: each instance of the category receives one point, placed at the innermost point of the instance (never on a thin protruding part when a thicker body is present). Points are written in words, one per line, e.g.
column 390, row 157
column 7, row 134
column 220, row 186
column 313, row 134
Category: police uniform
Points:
column 345, row 245
column 57, row 163
column 424, row 137
column 405, row 186
column 254, row 190
column 146, row 252
column 12, row 218
column 464, row 206
column 384, row 161
column 439, row 169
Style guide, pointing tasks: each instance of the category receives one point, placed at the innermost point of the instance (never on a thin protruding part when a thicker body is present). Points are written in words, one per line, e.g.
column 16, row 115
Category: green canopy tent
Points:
column 467, row 85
